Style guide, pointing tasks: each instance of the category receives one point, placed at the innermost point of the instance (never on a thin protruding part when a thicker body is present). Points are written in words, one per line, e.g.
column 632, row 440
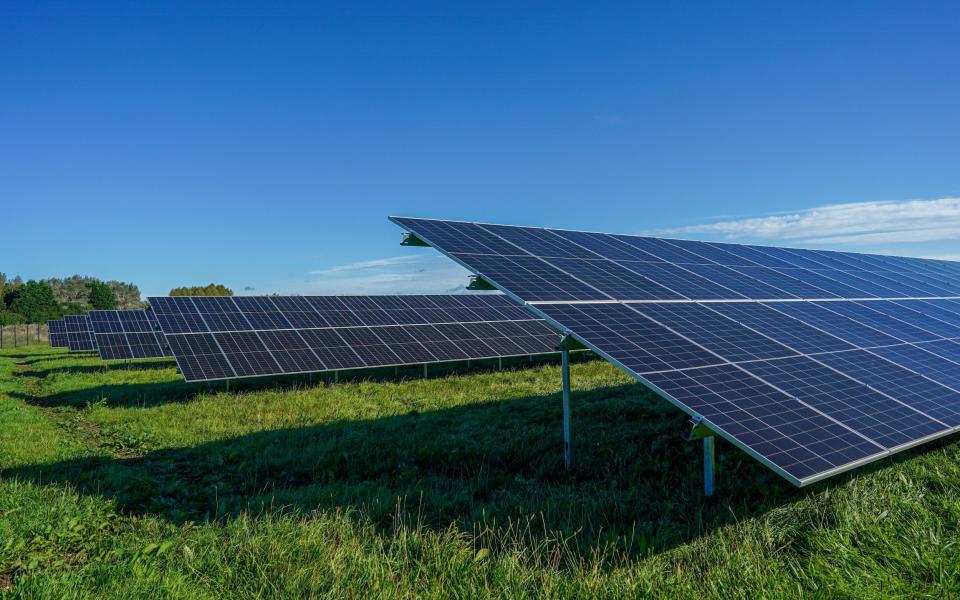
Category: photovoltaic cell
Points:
column 629, row 337
column 785, row 432
column 863, row 314
column 812, row 361
column 722, row 336
column 249, row 336
column 914, row 390
column 790, row 332
column 836, row 324
column 57, row 334
column 127, row 335
column 882, row 420
column 79, row 333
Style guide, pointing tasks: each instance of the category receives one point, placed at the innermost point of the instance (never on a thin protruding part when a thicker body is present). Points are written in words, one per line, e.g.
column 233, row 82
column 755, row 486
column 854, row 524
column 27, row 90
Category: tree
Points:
column 101, row 296
column 7, row 287
column 10, row 318
column 127, row 295
column 71, row 290
column 35, row 302
column 72, row 308
column 214, row 289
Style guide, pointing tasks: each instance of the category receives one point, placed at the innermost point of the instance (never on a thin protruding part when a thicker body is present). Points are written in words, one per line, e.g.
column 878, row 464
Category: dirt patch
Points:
column 6, row 582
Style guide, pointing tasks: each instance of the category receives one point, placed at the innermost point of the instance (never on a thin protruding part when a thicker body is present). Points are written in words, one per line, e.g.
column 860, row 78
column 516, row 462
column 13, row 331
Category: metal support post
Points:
column 709, row 464
column 425, row 370
column 565, row 368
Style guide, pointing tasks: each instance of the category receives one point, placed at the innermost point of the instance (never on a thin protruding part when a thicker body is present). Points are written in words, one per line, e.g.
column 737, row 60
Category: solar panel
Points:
column 57, row 334
column 79, row 333
column 814, row 362
column 127, row 334
column 248, row 336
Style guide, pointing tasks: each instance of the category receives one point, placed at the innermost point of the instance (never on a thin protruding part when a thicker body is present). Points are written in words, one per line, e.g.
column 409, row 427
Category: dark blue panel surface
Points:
column 220, row 313
column 785, row 282
column 531, row 278
column 838, row 325
column 613, row 280
column 879, row 321
column 946, row 348
column 774, row 426
column 460, row 237
column 680, row 280
column 790, row 332
column 630, row 338
column 722, row 336
column 871, row 414
column 606, row 246
column 199, row 357
column 830, row 284
column 917, row 319
column 663, row 250
column 738, row 282
column 914, row 390
column 927, row 363
column 944, row 310
column 539, row 242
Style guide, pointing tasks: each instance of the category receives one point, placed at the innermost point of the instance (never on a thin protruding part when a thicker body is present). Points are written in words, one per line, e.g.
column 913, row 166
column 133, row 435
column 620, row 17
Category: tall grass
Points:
column 122, row 481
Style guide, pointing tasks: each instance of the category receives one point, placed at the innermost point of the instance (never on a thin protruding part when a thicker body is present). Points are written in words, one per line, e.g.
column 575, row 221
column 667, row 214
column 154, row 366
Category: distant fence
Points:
column 12, row 336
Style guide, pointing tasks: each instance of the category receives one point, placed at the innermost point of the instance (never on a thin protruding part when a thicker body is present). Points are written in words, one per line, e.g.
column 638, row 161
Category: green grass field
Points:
column 123, row 481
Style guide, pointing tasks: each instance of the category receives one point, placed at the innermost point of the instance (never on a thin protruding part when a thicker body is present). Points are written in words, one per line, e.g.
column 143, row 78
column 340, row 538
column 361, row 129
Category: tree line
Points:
column 37, row 301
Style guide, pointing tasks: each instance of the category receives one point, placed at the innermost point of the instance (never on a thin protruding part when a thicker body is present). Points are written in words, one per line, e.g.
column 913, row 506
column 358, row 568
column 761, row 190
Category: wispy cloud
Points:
column 368, row 265
column 858, row 223
column 407, row 274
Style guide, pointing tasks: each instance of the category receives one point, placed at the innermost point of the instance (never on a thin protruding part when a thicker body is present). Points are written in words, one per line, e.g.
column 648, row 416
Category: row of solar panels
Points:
column 227, row 337
column 799, row 357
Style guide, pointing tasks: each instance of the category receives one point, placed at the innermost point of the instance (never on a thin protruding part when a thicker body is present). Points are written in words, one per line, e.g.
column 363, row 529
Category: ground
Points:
column 122, row 481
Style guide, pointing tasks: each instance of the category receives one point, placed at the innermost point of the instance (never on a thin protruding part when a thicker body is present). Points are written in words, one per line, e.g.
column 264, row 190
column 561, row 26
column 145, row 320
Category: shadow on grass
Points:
column 636, row 482
column 39, row 370
column 134, row 395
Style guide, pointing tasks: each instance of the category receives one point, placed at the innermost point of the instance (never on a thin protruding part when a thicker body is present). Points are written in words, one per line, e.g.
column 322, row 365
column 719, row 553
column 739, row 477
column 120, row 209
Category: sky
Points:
column 263, row 145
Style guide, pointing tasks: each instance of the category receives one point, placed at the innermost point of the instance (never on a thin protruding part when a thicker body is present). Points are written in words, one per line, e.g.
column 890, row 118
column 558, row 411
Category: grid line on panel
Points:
column 368, row 331
column 879, row 418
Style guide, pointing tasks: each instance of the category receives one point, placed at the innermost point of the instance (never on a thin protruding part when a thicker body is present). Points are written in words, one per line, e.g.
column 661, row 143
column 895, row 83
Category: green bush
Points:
column 34, row 300
column 101, row 296
column 214, row 289
column 11, row 318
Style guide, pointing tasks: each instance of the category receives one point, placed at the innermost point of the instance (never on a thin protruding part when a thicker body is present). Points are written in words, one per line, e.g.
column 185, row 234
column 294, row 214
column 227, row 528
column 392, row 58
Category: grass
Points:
column 122, row 481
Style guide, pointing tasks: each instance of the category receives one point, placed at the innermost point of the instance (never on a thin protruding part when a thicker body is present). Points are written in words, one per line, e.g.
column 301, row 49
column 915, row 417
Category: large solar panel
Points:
column 812, row 361
column 127, row 334
column 57, row 334
column 79, row 333
column 249, row 336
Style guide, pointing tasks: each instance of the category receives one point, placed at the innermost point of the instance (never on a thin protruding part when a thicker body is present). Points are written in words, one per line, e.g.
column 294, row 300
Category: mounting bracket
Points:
column 411, row 239
column 479, row 284
column 700, row 431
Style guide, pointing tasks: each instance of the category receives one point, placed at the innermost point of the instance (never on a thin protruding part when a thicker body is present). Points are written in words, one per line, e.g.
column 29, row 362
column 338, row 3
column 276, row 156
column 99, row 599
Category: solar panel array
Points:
column 127, row 334
column 57, row 334
column 79, row 333
column 248, row 336
column 812, row 361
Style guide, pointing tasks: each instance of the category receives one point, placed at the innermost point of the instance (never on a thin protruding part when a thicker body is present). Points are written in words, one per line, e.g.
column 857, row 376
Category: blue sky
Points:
column 263, row 145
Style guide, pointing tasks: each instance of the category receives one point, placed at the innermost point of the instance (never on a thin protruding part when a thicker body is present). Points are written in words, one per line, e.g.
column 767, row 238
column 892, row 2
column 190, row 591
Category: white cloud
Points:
column 858, row 223
column 408, row 274
column 366, row 265
column 953, row 257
